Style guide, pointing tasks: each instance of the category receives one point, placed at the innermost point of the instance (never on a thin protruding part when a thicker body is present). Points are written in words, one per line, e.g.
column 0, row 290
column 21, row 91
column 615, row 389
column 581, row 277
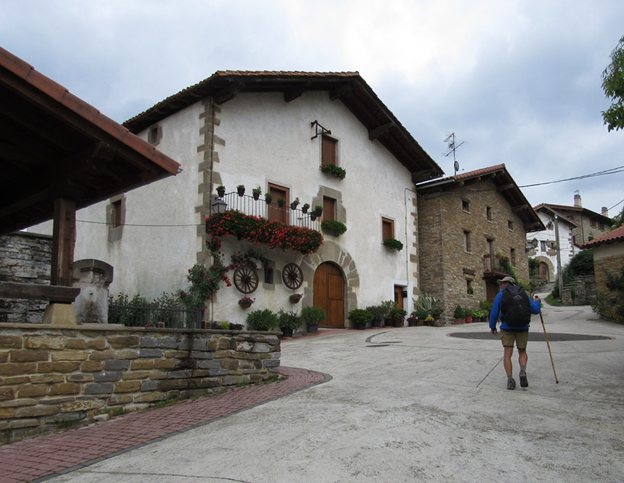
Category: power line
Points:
column 599, row 173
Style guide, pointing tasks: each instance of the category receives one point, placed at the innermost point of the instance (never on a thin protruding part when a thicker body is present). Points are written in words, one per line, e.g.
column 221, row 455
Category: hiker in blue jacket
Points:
column 517, row 332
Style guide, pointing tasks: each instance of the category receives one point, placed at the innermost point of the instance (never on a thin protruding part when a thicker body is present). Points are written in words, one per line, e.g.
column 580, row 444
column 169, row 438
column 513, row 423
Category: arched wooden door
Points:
column 329, row 288
column 543, row 271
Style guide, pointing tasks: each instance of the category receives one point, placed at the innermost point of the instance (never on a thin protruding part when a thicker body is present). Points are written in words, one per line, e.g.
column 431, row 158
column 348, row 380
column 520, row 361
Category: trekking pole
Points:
column 548, row 344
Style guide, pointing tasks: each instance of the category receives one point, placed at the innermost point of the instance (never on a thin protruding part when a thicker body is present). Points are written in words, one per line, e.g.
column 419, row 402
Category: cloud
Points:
column 518, row 80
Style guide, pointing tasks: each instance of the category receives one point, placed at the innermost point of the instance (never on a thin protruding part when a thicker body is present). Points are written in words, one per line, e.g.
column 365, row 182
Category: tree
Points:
column 613, row 86
column 618, row 220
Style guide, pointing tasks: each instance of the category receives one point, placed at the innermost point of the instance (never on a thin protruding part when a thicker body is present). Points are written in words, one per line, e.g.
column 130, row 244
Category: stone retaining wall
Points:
column 50, row 375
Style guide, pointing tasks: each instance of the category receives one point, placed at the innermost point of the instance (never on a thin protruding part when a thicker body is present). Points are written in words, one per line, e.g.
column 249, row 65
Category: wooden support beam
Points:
column 37, row 291
column 296, row 91
column 340, row 91
column 517, row 208
column 505, row 187
column 63, row 239
column 380, row 131
column 228, row 93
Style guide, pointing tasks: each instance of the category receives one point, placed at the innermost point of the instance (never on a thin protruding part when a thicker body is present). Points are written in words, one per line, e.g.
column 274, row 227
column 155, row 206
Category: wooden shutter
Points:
column 328, row 150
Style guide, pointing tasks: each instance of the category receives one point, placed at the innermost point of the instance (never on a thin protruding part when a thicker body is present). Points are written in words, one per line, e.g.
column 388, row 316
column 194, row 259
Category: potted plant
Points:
column 397, row 316
column 221, row 191
column 294, row 204
column 294, row 298
column 333, row 227
column 412, row 320
column 262, row 320
column 360, row 318
column 333, row 170
column 380, row 312
column 268, row 198
column 256, row 192
column 393, row 244
column 305, row 207
column 312, row 317
column 246, row 302
column 429, row 320
column 318, row 210
column 240, row 189
column 459, row 314
column 421, row 314
column 281, row 202
column 468, row 316
column 288, row 322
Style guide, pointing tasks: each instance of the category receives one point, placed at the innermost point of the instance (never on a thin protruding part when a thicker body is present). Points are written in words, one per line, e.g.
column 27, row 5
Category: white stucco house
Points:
column 544, row 243
column 273, row 131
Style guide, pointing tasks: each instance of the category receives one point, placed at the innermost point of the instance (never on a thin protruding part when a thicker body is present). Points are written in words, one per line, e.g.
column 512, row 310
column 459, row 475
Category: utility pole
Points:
column 559, row 272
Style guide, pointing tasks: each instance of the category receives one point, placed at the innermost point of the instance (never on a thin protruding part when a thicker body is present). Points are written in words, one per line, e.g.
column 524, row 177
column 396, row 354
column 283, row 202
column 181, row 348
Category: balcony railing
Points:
column 496, row 264
column 250, row 206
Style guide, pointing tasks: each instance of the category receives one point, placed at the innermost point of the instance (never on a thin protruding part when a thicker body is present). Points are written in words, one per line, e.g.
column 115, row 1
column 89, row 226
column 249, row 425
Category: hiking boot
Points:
column 511, row 384
column 524, row 382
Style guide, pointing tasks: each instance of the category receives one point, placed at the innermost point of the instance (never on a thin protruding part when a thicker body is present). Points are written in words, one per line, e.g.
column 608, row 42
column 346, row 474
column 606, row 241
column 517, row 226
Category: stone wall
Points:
column 50, row 375
column 24, row 258
column 581, row 291
column 610, row 265
column 445, row 265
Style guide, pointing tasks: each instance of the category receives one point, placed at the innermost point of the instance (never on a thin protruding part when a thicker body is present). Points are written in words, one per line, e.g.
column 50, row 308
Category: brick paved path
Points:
column 42, row 457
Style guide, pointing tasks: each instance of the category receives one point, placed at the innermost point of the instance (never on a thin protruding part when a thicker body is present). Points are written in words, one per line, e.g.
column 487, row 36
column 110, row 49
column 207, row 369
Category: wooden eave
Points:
column 504, row 184
column 54, row 145
column 347, row 87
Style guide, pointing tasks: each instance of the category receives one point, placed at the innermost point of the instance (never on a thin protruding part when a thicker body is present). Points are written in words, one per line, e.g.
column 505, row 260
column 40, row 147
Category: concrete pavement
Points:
column 411, row 404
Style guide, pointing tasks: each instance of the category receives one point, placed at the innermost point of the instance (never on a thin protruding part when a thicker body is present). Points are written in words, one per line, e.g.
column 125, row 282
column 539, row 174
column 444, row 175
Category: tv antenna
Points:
column 452, row 146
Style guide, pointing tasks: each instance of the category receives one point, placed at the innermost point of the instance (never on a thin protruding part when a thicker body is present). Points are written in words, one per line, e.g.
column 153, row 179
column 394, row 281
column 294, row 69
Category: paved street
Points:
column 410, row 404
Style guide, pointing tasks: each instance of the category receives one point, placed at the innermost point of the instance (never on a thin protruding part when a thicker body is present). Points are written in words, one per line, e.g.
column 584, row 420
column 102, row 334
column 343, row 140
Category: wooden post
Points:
column 63, row 240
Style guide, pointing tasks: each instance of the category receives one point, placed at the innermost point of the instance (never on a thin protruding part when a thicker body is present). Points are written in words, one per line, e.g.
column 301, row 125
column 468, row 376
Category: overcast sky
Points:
column 519, row 81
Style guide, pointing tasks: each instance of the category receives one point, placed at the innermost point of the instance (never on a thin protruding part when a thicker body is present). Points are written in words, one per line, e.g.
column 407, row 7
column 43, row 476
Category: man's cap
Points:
column 508, row 280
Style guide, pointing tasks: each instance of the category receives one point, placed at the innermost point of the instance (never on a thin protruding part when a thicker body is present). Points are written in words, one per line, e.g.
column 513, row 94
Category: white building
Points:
column 271, row 130
column 544, row 242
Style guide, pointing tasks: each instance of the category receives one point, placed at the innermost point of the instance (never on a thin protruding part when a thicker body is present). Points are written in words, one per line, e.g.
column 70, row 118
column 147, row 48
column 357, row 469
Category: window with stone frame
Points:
column 488, row 213
column 512, row 256
column 329, row 208
column 510, row 225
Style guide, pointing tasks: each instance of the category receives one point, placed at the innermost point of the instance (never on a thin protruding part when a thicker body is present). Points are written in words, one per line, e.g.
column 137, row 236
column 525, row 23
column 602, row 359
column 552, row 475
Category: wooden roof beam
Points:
column 380, row 131
column 228, row 93
column 296, row 91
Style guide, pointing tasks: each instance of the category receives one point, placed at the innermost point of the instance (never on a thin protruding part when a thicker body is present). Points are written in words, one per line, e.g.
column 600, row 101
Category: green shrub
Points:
column 360, row 316
column 312, row 315
column 290, row 319
column 262, row 320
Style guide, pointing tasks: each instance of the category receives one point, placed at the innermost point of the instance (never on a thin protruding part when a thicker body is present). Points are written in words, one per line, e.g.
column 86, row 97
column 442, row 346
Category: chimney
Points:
column 577, row 199
column 605, row 211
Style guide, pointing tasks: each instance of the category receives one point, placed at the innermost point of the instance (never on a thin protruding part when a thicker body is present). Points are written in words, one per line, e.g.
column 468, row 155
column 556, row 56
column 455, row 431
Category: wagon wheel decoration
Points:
column 246, row 279
column 292, row 276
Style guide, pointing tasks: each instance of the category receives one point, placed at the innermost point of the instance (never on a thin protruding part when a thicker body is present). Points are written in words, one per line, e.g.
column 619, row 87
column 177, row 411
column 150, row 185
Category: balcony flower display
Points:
column 296, row 297
column 333, row 170
column 261, row 231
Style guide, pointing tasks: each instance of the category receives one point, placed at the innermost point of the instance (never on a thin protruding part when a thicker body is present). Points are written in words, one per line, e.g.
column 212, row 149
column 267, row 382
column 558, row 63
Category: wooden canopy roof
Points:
column 54, row 145
column 348, row 87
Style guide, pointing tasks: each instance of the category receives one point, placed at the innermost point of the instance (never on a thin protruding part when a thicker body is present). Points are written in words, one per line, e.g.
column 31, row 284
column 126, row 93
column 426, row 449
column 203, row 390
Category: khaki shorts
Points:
column 508, row 337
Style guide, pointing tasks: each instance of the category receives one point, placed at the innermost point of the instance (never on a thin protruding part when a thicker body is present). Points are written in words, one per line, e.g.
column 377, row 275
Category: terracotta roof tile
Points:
column 616, row 235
